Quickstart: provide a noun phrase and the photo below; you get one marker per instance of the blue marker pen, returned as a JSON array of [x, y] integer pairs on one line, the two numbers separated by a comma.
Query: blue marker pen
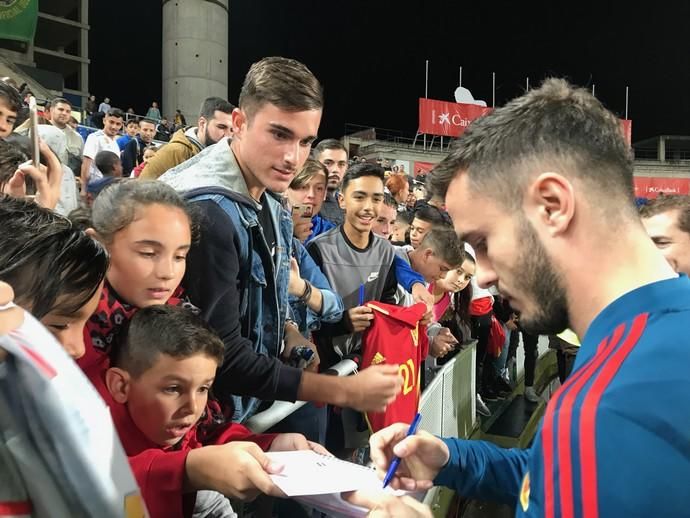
[[396, 460], [361, 294]]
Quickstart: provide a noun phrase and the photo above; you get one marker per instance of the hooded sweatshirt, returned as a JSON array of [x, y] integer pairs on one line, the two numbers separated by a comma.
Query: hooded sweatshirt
[[182, 146]]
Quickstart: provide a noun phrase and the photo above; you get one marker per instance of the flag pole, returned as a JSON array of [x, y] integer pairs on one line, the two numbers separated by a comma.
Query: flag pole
[[426, 81], [426, 92], [527, 90], [627, 96], [493, 89]]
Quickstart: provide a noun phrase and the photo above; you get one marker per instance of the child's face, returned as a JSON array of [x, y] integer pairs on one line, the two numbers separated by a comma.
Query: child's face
[[361, 201], [167, 400], [398, 231], [68, 328], [457, 280], [312, 193], [384, 221], [147, 257], [418, 229], [7, 119], [148, 155]]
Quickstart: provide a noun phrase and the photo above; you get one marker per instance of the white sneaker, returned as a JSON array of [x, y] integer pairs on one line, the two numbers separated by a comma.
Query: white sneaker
[[482, 409], [531, 395]]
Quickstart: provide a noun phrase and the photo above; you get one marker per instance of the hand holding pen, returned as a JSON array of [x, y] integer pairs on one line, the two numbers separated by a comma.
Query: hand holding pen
[[421, 455]]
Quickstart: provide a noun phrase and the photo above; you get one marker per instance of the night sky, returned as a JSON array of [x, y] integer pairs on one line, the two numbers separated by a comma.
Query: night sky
[[370, 55]]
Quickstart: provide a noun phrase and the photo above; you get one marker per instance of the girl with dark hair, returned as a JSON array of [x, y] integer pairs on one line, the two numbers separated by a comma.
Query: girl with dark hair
[[56, 270], [452, 296], [147, 229]]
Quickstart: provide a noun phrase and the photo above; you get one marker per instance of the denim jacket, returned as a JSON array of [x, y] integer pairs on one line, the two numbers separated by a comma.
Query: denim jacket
[[215, 175], [332, 306]]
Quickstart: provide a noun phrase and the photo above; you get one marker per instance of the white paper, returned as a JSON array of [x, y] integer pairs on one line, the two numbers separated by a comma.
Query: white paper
[[308, 473]]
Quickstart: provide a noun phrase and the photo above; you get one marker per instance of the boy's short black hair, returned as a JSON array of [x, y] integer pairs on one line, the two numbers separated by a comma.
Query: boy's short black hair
[[433, 215], [11, 157], [115, 112], [105, 161], [10, 95], [162, 329], [403, 218], [390, 201], [360, 170]]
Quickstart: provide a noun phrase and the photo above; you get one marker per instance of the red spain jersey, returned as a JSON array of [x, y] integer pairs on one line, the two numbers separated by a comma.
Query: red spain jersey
[[396, 337]]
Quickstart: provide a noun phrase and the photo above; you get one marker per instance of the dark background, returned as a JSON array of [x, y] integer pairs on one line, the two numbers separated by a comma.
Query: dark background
[[370, 56]]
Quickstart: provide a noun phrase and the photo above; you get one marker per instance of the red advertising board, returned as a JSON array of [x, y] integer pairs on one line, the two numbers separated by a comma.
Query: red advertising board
[[447, 119], [626, 126], [422, 167], [651, 187], [450, 119]]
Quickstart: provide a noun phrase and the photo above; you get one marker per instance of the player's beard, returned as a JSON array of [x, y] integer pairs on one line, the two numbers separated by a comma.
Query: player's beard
[[537, 279]]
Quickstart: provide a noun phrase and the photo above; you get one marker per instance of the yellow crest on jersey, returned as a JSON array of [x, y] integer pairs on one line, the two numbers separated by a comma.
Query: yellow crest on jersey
[[415, 335], [378, 358]]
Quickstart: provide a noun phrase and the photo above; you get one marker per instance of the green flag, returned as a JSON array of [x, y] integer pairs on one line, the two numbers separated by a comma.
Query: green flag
[[18, 19]]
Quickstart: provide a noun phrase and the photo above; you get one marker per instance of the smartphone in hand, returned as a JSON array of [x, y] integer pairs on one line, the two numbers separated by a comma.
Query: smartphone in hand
[[33, 132], [303, 211]]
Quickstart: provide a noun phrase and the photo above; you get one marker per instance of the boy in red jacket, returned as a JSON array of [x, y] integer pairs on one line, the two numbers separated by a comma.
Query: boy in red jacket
[[177, 441]]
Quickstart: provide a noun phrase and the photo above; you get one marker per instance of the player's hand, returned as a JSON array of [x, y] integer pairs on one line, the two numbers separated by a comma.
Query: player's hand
[[422, 456], [360, 318], [237, 469], [373, 388]]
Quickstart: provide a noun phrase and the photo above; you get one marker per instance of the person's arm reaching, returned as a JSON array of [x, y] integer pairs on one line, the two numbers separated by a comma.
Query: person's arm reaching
[[211, 283], [474, 469], [406, 276], [331, 304]]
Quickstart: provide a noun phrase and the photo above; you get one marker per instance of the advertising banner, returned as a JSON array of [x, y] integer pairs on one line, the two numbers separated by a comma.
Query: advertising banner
[[447, 119]]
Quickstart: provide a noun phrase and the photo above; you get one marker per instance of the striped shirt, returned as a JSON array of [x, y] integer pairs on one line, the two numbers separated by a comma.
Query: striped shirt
[[615, 438]]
